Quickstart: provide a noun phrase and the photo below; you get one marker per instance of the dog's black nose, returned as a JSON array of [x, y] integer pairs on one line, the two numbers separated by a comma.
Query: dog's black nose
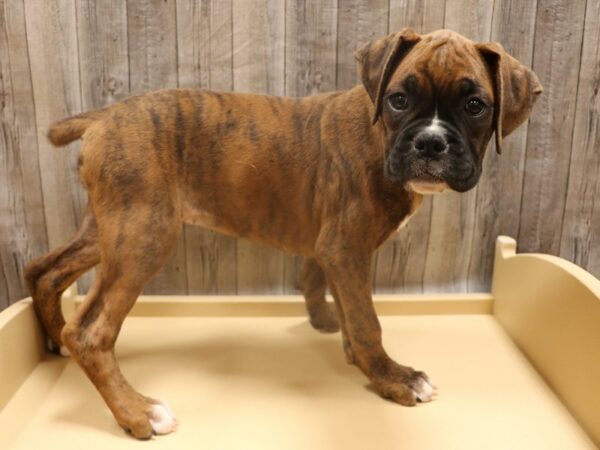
[[430, 143]]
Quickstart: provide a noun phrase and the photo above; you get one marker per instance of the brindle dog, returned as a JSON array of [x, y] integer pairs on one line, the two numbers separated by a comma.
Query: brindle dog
[[329, 177]]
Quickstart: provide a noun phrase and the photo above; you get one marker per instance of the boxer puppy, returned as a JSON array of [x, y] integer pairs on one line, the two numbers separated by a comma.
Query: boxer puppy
[[328, 177]]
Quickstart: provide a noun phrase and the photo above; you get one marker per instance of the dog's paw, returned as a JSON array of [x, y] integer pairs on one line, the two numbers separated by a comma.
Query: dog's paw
[[325, 319], [406, 386], [51, 346], [162, 419], [58, 349], [145, 417], [425, 391]]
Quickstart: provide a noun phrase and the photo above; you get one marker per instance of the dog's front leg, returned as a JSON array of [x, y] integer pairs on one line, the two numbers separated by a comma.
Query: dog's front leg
[[348, 273]]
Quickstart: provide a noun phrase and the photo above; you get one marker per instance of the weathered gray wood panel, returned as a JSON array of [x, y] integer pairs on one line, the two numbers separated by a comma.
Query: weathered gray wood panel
[[22, 221], [358, 22], [54, 61], [310, 40], [59, 57], [103, 52], [580, 240], [556, 60]]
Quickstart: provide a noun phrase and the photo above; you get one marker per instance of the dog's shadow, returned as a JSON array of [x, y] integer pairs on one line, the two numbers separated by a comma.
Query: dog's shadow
[[304, 362], [307, 354]]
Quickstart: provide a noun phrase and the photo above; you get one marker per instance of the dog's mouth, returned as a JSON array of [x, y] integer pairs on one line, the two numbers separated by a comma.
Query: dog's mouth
[[433, 176], [437, 174], [427, 180], [431, 172]]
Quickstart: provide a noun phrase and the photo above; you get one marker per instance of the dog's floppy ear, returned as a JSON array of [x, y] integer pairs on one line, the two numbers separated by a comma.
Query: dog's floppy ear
[[516, 88], [377, 61]]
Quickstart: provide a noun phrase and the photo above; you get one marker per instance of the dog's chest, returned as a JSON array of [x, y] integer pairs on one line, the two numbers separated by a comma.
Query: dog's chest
[[415, 203], [203, 218], [404, 221]]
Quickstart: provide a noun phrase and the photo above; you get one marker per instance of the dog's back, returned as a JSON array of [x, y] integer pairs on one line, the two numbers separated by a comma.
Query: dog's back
[[216, 156]]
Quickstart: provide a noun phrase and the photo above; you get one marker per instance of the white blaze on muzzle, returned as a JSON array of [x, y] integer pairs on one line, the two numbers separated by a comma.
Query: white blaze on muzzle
[[435, 127]]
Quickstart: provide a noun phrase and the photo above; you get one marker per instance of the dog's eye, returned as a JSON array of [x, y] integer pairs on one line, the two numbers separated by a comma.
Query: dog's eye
[[398, 102], [475, 107]]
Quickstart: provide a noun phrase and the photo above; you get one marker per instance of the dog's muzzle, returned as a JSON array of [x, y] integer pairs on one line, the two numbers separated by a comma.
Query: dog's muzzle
[[432, 157]]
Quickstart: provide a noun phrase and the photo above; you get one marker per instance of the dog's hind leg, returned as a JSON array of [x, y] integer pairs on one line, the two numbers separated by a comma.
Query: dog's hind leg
[[345, 341], [131, 252], [49, 275], [322, 315]]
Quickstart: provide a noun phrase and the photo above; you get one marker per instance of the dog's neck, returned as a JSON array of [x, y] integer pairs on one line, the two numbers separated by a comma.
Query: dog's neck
[[393, 200]]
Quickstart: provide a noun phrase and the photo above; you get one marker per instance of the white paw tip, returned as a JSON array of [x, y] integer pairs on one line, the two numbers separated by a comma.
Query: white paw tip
[[62, 350], [50, 345], [427, 391], [162, 419]]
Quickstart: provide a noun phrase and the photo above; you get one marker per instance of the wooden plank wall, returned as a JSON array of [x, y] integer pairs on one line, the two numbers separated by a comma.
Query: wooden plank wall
[[60, 57]]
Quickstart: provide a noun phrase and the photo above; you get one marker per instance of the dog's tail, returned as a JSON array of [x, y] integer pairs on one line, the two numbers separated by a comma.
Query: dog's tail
[[67, 130]]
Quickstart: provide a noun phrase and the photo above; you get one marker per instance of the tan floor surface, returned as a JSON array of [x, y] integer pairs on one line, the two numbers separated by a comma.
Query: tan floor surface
[[274, 383]]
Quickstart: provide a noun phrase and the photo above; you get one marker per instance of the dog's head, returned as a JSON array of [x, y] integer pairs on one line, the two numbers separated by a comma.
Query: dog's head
[[439, 98]]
